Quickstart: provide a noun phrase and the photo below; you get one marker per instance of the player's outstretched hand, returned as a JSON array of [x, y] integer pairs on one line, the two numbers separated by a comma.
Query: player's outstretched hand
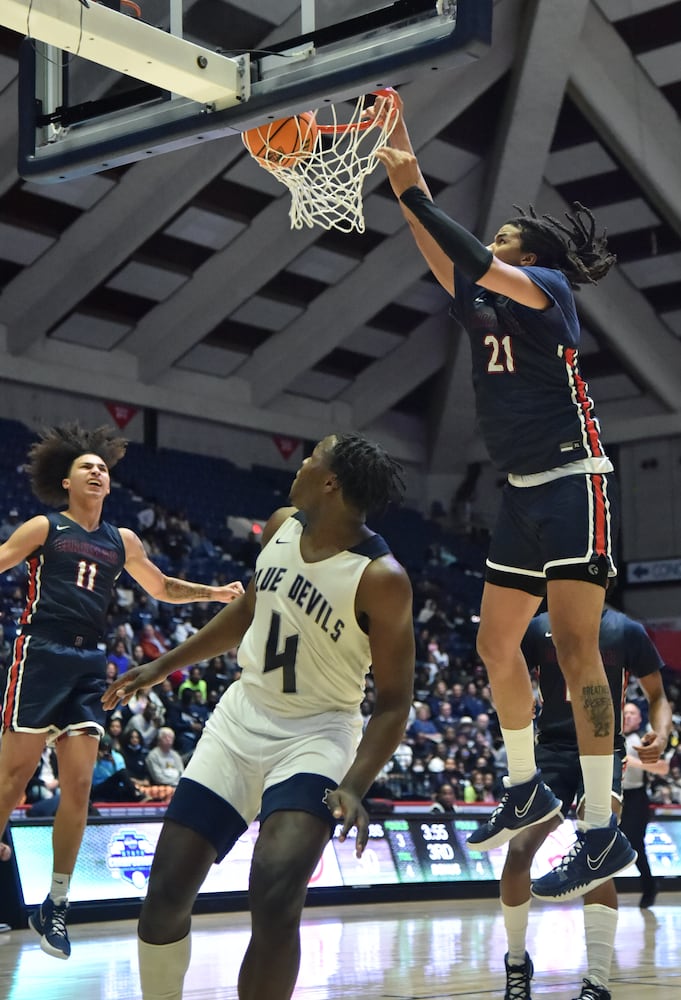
[[133, 680], [345, 806], [402, 168], [229, 592]]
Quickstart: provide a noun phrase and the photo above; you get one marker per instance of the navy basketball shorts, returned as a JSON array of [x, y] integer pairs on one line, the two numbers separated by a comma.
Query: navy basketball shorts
[[54, 689], [250, 763], [564, 529], [561, 771]]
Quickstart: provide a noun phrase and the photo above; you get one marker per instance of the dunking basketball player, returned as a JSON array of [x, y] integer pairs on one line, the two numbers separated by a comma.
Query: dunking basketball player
[[557, 526], [57, 674], [327, 602], [625, 649]]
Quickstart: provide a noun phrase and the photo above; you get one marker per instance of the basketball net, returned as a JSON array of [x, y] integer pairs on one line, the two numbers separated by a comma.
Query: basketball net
[[326, 184]]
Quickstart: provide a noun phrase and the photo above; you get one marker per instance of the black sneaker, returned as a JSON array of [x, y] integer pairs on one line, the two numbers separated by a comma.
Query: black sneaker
[[590, 991], [649, 896], [518, 979], [49, 920]]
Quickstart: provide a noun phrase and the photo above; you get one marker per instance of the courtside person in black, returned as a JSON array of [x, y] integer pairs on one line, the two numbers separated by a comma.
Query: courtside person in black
[[557, 526], [626, 649], [57, 674]]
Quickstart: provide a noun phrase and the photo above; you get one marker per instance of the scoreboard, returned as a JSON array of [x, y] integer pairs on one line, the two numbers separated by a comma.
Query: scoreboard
[[408, 849], [433, 850]]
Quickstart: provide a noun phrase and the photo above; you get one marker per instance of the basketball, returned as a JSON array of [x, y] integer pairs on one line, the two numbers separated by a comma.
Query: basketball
[[284, 142]]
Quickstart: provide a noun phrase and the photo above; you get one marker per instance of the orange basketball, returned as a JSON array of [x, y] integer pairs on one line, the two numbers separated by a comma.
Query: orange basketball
[[284, 142]]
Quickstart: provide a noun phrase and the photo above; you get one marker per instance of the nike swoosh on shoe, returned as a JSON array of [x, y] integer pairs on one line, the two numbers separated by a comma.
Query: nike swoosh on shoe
[[522, 813], [595, 863]]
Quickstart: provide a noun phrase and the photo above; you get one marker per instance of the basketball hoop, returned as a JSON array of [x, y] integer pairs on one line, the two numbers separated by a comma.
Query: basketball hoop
[[326, 181]]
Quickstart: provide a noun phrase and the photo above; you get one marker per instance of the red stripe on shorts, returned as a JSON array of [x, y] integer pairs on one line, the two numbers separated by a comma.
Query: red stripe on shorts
[[13, 682]]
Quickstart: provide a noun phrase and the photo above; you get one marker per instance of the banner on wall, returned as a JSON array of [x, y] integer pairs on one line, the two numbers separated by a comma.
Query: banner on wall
[[122, 413], [655, 571], [286, 445]]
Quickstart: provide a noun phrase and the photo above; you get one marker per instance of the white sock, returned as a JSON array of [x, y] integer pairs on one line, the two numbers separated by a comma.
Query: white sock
[[515, 922], [597, 776], [600, 925], [163, 968], [520, 752], [59, 890]]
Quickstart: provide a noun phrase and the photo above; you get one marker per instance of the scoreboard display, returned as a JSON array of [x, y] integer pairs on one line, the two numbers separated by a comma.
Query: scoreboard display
[[408, 849], [433, 850]]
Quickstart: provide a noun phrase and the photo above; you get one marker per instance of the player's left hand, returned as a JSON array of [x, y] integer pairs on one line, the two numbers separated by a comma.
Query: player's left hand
[[229, 592], [402, 168], [651, 747], [346, 806]]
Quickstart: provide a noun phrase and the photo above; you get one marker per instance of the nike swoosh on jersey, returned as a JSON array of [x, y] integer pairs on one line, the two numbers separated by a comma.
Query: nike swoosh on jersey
[[595, 863], [63, 527], [521, 813], [547, 635], [282, 541]]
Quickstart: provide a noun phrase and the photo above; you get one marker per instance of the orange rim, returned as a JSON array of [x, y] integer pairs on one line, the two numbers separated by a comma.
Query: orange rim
[[354, 126]]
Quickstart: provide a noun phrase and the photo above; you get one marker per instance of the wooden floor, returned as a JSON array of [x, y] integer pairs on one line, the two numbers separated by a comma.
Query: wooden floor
[[397, 951]]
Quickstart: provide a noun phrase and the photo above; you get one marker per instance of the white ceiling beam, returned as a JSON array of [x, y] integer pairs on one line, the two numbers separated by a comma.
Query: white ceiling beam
[[342, 308], [78, 370], [103, 238], [635, 121], [628, 323], [452, 424], [389, 379], [533, 101]]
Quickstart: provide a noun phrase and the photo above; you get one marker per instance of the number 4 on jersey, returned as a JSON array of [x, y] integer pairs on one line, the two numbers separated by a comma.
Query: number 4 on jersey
[[274, 660]]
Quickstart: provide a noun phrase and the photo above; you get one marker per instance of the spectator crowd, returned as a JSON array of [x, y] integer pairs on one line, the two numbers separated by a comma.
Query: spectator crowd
[[451, 751]]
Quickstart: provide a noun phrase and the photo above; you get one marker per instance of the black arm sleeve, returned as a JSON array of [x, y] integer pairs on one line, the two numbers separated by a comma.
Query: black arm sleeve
[[466, 251]]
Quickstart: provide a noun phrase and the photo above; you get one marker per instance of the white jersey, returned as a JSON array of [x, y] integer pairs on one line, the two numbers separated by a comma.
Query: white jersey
[[304, 652]]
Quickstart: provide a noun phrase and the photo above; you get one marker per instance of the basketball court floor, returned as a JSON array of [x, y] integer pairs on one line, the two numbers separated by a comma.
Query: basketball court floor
[[397, 951]]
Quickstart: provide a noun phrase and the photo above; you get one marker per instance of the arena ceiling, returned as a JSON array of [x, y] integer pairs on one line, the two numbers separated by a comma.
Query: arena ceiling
[[176, 282]]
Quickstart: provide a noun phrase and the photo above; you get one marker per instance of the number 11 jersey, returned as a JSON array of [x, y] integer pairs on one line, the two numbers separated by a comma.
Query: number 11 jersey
[[70, 580]]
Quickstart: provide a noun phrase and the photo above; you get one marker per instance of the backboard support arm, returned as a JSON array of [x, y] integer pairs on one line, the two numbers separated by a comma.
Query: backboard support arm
[[131, 47]]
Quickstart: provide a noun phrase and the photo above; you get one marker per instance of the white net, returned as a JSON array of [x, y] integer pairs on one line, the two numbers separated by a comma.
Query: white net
[[326, 181]]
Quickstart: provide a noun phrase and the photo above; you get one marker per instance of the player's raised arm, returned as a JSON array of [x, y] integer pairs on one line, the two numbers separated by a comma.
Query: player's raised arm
[[28, 537], [168, 588], [400, 154], [222, 632]]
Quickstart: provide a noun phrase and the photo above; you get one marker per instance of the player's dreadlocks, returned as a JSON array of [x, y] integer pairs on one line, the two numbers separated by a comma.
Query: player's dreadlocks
[[50, 459], [575, 250], [369, 477]]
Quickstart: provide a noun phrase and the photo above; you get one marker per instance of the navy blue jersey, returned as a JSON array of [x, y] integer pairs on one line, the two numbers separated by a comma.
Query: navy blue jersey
[[71, 579], [532, 404], [625, 648]]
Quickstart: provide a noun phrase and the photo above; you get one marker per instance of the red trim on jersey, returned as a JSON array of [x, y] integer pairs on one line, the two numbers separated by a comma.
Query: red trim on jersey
[[584, 403], [12, 682], [31, 590], [600, 517]]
